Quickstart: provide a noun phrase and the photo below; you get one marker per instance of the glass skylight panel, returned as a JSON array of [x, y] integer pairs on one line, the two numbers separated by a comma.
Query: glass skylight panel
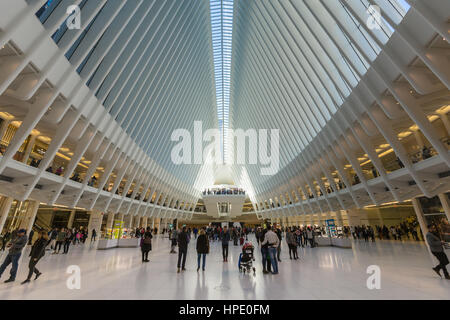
[[222, 30]]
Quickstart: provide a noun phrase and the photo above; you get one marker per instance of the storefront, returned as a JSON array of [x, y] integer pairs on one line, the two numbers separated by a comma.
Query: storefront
[[434, 213]]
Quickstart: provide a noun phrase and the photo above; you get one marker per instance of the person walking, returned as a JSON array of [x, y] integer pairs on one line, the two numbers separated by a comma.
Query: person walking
[[36, 253], [15, 250], [183, 241], [202, 249], [146, 244], [437, 249], [225, 236], [271, 239]]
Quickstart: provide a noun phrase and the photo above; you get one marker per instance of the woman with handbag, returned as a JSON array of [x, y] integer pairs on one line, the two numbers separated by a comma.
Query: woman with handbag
[[146, 244], [202, 249]]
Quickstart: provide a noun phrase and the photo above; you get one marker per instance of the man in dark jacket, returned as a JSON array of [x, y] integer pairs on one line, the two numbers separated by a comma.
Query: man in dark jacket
[[183, 240], [36, 253], [225, 239], [15, 250], [437, 249]]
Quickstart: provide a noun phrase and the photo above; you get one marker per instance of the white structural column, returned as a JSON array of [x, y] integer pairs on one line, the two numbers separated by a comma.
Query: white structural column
[[353, 218], [445, 204], [128, 221], [27, 151], [110, 221], [423, 225], [4, 127], [120, 217], [136, 222], [71, 218], [339, 221], [380, 217], [30, 216], [95, 222], [144, 222], [5, 206], [445, 121]]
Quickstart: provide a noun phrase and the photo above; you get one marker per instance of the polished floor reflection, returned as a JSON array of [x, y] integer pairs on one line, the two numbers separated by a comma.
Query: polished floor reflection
[[321, 273]]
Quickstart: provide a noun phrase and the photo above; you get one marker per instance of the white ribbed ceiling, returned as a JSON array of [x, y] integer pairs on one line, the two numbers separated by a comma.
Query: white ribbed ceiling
[[291, 65]]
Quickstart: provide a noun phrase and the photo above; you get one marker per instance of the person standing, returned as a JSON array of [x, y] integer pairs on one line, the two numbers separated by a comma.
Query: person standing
[[309, 236], [30, 237], [437, 249], [146, 244], [174, 236], [85, 235], [202, 249], [183, 241], [15, 250], [271, 239], [258, 235], [279, 235], [292, 244], [225, 236], [53, 235], [78, 236], [5, 239], [195, 232], [94, 235], [36, 253], [264, 252], [67, 240], [60, 238]]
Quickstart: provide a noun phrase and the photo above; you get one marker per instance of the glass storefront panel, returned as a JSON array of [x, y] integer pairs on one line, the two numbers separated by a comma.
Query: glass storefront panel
[[81, 220], [16, 215], [434, 214]]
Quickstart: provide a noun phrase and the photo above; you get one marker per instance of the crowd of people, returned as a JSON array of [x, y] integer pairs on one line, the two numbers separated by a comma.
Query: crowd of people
[[268, 238], [223, 191], [54, 239], [63, 237], [398, 232]]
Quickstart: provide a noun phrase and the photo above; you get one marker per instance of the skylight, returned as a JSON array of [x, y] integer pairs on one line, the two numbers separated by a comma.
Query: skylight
[[222, 29]]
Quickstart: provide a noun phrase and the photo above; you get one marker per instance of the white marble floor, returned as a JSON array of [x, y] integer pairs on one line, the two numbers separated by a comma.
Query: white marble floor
[[321, 273]]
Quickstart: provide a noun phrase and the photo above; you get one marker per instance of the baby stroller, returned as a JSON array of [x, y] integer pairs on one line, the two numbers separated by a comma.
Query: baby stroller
[[246, 259]]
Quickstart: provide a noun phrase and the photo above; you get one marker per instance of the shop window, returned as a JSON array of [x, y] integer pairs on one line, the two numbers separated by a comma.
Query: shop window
[[434, 214], [15, 216], [81, 219]]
